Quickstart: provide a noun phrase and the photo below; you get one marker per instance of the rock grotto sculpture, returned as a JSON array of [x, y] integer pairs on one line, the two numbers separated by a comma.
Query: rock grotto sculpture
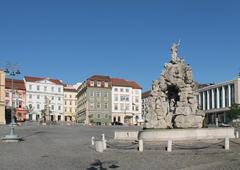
[[173, 101]]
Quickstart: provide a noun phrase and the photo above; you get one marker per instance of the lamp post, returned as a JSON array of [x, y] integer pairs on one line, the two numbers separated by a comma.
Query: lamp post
[[12, 71]]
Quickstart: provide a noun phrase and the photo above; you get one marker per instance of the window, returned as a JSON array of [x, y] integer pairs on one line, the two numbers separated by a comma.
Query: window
[[30, 87], [52, 107], [98, 105], [124, 98], [70, 103], [137, 108], [97, 94], [59, 107], [115, 97], [52, 97], [121, 106], [121, 90], [59, 98], [92, 93], [45, 88], [30, 96], [70, 96], [91, 83], [65, 102], [38, 97], [105, 105], [71, 110], [115, 106], [127, 107], [98, 116], [98, 84], [59, 89], [136, 100], [91, 106], [115, 89], [52, 89], [38, 87], [105, 95], [127, 90], [38, 106], [7, 94], [65, 109], [105, 84], [65, 96]]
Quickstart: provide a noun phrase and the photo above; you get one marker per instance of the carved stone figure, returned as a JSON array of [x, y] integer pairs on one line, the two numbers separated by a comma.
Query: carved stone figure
[[173, 102]]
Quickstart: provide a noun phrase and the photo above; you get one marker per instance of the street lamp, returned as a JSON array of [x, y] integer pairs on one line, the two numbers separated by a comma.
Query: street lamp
[[12, 71]]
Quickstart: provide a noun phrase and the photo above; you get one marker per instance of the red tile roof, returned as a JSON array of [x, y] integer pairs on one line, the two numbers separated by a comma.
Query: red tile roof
[[17, 84], [125, 83], [100, 78], [69, 89], [146, 94], [34, 79]]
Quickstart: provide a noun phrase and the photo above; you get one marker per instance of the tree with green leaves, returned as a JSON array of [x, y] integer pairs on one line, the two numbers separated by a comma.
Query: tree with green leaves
[[234, 112]]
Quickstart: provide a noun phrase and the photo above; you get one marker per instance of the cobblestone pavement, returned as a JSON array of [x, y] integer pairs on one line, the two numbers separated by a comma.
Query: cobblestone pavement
[[68, 147]]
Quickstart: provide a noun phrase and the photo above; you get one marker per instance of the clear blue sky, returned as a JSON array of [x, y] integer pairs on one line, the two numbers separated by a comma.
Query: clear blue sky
[[73, 39]]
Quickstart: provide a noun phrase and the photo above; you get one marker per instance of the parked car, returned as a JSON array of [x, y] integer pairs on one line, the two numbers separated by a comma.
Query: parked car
[[117, 123]]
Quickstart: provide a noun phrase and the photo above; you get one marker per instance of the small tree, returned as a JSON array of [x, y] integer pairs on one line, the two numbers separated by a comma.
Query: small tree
[[234, 112]]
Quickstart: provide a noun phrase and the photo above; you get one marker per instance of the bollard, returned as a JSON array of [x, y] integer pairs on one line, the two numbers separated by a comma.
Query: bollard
[[104, 142], [226, 143], [140, 147], [169, 145], [237, 134], [92, 140], [99, 146]]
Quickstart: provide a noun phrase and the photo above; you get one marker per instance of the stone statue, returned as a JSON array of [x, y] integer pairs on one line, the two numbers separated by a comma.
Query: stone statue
[[173, 101]]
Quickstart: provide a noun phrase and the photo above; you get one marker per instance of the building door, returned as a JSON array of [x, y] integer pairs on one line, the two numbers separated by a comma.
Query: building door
[[59, 117], [52, 118]]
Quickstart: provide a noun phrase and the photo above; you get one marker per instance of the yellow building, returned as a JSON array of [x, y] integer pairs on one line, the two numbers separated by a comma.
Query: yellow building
[[70, 103], [2, 97]]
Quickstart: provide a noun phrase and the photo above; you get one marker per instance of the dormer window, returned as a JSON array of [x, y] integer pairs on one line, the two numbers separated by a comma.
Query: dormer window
[[98, 84], [91, 83], [105, 84]]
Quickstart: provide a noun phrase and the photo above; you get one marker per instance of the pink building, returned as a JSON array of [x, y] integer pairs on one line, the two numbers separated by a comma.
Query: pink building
[[19, 98]]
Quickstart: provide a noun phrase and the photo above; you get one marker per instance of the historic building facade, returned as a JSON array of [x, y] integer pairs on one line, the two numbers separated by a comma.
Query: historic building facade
[[94, 101], [216, 100], [70, 103], [37, 90], [126, 101], [18, 97], [2, 97]]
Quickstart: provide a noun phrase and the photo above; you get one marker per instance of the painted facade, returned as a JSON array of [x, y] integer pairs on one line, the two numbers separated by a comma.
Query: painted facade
[[17, 99], [126, 102], [2, 97], [37, 90], [94, 101], [70, 103]]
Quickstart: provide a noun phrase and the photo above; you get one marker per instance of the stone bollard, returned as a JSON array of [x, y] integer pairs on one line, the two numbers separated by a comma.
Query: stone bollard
[[104, 142], [140, 147], [99, 146], [226, 144], [92, 140], [237, 134], [169, 145]]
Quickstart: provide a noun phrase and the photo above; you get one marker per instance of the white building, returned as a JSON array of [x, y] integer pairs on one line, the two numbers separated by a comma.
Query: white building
[[217, 99], [126, 101], [37, 89]]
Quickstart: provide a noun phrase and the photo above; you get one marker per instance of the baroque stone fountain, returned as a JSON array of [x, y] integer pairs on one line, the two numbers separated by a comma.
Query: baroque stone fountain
[[173, 100]]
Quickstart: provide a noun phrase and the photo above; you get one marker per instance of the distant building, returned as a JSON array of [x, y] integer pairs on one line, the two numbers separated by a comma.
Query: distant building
[[94, 101], [70, 102], [217, 99], [37, 90], [2, 97], [19, 99], [126, 101], [145, 102]]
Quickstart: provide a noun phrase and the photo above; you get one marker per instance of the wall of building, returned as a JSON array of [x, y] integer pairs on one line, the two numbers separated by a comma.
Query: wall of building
[[2, 97], [36, 98], [70, 102]]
